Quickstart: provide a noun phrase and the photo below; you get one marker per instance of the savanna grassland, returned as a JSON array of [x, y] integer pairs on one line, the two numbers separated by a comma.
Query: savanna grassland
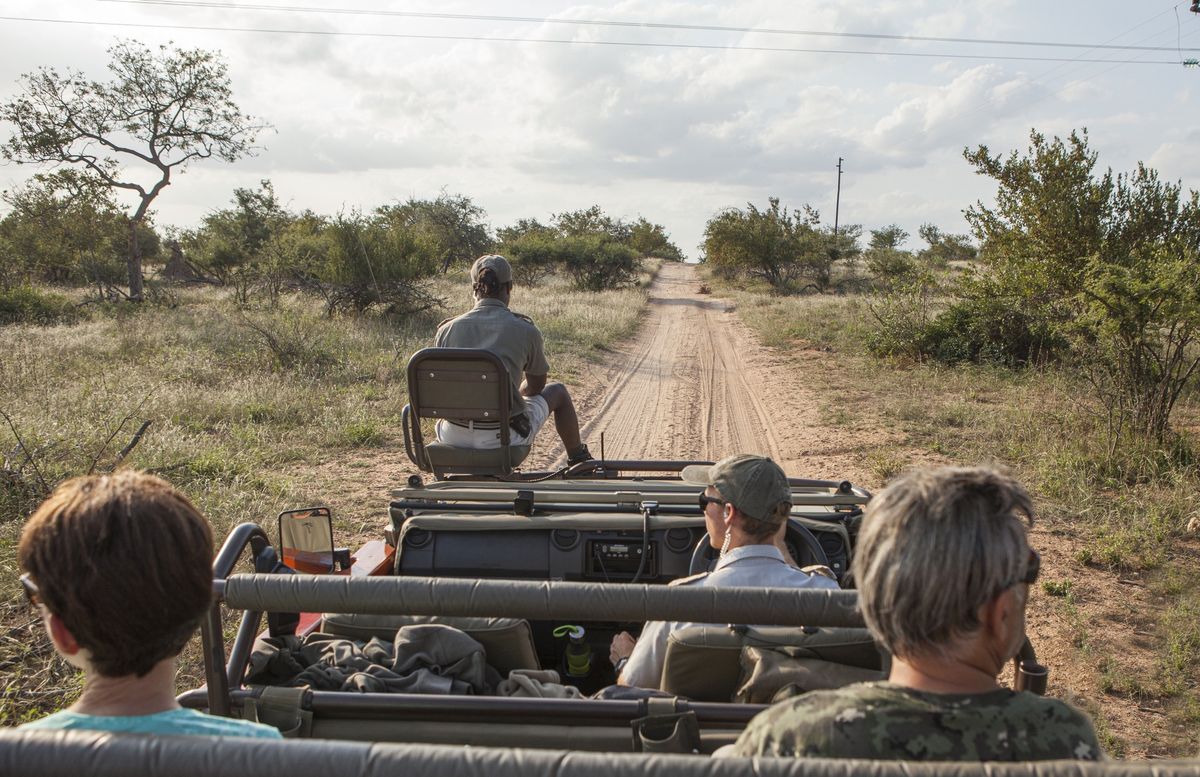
[[244, 404], [1117, 613]]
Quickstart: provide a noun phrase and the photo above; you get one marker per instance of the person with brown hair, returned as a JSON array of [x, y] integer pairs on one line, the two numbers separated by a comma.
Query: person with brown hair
[[119, 567], [517, 341]]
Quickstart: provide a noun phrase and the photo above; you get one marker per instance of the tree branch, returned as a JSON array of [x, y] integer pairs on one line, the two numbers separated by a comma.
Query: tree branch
[[28, 454]]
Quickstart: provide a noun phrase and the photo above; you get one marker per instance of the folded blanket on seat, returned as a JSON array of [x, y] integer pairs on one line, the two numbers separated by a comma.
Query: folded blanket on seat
[[423, 658], [536, 683]]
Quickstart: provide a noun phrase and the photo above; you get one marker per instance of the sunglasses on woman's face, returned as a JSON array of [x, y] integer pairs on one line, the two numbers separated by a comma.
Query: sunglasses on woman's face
[[31, 590], [706, 500]]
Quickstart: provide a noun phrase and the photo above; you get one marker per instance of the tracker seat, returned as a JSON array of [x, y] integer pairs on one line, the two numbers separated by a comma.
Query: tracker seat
[[459, 385]]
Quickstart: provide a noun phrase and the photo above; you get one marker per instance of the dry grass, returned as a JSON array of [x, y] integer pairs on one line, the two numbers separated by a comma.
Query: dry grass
[[239, 401], [1119, 611]]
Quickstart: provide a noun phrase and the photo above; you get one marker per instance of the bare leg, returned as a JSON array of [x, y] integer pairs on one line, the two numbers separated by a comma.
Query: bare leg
[[566, 422]]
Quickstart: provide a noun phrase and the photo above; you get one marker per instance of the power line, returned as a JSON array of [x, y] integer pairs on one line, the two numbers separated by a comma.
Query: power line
[[633, 24], [1070, 69], [569, 41]]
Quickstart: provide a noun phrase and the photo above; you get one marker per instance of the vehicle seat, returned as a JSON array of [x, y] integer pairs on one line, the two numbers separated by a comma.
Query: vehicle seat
[[463, 385], [705, 663], [508, 642]]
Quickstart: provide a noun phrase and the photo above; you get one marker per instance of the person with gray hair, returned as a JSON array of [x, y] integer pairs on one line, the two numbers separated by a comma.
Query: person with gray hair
[[944, 570]]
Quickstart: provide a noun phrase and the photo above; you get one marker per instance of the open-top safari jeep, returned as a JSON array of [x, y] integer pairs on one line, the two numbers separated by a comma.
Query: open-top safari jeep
[[510, 564], [539, 570], [509, 559]]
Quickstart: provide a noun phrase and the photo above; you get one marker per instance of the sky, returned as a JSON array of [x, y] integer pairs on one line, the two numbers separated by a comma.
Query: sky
[[384, 101]]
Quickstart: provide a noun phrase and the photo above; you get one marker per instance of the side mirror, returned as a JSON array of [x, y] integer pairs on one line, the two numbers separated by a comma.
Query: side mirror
[[306, 537]]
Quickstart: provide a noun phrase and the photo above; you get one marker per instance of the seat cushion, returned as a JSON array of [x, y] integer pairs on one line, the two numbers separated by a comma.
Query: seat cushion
[[765, 672], [508, 641], [704, 663]]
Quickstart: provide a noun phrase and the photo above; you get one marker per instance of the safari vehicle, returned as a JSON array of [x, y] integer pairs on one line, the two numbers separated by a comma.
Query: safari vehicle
[[541, 570], [510, 564]]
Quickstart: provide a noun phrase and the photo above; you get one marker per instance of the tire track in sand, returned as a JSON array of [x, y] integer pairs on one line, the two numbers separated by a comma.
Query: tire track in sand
[[692, 384]]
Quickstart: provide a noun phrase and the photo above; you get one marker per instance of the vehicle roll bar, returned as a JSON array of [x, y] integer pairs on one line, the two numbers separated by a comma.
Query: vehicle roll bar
[[540, 600], [466, 709], [101, 754], [218, 678]]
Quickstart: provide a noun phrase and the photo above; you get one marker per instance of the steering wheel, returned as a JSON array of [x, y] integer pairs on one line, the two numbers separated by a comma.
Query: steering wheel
[[801, 542]]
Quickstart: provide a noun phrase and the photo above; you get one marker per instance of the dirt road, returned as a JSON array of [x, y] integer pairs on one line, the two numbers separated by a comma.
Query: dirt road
[[695, 384]]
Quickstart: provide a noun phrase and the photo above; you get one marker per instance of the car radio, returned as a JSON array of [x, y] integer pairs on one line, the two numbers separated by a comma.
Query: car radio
[[619, 559]]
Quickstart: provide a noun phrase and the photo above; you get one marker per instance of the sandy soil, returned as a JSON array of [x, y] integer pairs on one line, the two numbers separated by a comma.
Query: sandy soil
[[696, 384]]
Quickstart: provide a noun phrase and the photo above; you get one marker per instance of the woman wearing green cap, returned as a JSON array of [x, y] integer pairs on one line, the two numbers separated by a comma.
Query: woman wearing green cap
[[746, 503]]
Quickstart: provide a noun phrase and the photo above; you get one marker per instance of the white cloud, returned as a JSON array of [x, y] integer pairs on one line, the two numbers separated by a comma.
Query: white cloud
[[674, 134], [1177, 158]]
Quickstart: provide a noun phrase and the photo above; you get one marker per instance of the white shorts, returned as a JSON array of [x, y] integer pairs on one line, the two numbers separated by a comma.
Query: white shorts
[[536, 410]]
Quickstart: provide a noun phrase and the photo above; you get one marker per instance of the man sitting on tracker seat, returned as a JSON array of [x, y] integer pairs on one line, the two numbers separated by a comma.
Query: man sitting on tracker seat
[[514, 338]]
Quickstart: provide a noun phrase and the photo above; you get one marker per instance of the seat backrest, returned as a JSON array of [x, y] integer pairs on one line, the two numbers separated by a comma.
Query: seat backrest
[[508, 642], [706, 663], [459, 385]]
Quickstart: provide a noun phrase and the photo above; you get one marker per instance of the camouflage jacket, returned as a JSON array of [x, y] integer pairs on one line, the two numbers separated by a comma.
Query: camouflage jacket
[[885, 721]]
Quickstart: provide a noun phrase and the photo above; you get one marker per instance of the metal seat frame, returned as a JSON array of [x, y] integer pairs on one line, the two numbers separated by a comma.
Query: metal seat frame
[[490, 402]]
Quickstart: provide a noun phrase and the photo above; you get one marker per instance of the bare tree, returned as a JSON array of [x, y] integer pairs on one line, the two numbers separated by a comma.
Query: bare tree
[[163, 108]]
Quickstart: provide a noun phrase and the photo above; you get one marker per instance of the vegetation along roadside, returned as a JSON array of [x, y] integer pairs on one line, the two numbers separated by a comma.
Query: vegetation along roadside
[[237, 392], [1065, 351]]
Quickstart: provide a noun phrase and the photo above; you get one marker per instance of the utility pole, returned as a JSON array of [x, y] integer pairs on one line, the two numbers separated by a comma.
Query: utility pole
[[838, 202]]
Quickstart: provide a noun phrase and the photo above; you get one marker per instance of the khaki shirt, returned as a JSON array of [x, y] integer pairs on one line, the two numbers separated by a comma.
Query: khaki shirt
[[490, 325]]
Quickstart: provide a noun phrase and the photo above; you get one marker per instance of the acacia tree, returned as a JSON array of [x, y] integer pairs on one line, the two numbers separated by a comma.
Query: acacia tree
[[163, 109]]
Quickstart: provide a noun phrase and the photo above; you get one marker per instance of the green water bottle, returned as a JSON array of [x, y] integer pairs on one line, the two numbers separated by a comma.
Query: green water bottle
[[578, 657]]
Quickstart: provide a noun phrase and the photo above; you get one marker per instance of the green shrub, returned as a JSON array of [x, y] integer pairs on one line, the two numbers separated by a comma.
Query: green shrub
[[27, 305], [902, 317], [890, 265], [534, 255], [990, 331], [354, 263], [596, 264], [1057, 587]]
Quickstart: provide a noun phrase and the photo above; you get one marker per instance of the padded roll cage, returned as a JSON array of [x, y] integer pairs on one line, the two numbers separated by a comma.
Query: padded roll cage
[[99, 754]]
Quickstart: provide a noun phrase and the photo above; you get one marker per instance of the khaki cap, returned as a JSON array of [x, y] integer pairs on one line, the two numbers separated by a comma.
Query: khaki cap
[[494, 262], [753, 484]]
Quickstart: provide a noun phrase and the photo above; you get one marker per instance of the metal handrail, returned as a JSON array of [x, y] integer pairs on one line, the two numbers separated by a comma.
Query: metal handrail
[[216, 674]]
